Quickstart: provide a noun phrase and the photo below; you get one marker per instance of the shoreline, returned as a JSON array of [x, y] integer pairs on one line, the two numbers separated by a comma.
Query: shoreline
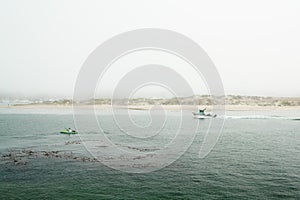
[[148, 107]]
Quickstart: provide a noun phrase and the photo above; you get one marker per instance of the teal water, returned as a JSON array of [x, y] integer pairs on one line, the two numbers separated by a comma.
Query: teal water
[[256, 157]]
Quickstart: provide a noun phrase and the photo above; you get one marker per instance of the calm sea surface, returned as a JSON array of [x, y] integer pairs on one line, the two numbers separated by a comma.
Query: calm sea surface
[[256, 157]]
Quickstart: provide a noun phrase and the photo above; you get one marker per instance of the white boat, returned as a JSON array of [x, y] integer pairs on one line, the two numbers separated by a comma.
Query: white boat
[[202, 115]]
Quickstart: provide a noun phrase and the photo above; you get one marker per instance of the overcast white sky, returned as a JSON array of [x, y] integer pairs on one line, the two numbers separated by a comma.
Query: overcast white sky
[[255, 44]]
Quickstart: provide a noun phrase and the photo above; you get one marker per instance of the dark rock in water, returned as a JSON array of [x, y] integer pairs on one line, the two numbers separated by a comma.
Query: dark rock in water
[[17, 156], [73, 142], [143, 149], [20, 162]]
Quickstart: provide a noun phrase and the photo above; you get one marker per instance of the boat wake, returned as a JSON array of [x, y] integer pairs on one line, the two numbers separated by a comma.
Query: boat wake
[[262, 117]]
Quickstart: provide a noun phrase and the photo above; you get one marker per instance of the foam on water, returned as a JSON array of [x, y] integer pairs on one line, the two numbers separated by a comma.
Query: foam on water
[[262, 117]]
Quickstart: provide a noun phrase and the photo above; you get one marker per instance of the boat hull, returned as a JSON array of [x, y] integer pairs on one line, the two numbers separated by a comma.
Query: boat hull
[[204, 117], [200, 116], [67, 132]]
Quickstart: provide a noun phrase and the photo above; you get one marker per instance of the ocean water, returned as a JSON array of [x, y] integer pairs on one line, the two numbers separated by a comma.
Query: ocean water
[[256, 157]]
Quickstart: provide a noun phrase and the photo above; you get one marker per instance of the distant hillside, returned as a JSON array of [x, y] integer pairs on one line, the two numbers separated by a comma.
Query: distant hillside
[[194, 100], [205, 100]]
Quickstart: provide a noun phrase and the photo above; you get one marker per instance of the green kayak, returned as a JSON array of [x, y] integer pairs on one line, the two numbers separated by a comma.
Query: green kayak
[[68, 132]]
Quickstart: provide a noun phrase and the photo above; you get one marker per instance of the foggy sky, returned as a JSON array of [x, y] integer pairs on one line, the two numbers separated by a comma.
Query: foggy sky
[[255, 45]]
